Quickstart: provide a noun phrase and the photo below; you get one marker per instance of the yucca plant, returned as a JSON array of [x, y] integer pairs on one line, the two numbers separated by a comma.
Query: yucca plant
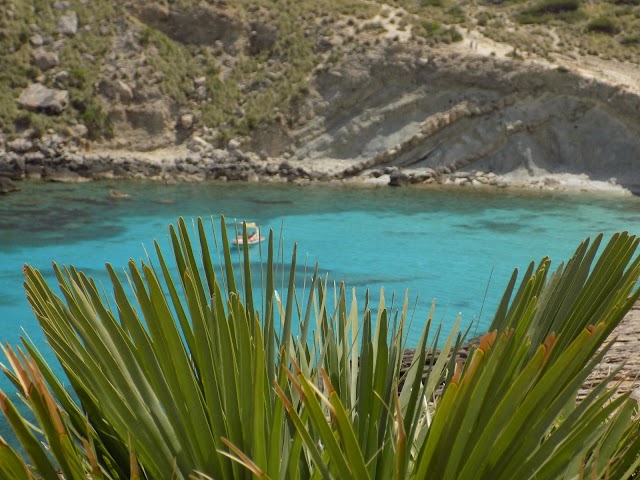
[[510, 411], [189, 375]]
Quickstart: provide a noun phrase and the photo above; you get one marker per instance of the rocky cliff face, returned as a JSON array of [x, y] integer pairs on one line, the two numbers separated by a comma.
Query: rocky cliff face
[[445, 112]]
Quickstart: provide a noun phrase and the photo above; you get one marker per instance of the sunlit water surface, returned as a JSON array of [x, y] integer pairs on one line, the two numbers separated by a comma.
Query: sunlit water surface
[[458, 246]]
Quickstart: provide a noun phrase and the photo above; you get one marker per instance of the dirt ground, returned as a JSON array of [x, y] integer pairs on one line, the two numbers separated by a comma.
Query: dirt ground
[[625, 350]]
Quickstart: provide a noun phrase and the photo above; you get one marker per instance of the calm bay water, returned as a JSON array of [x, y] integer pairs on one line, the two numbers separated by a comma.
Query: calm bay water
[[454, 245]]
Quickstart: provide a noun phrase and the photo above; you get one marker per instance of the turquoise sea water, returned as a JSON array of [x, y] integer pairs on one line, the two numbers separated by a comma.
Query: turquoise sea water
[[452, 245]]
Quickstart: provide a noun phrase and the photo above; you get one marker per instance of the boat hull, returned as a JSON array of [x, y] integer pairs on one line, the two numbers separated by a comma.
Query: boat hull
[[239, 241]]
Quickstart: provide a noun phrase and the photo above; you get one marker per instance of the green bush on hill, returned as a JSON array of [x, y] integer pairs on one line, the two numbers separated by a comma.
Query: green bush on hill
[[96, 121], [626, 2], [553, 6], [547, 10], [433, 30], [632, 39], [603, 25]]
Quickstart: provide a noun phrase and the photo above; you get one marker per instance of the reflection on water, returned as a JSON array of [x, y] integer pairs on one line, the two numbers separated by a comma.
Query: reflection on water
[[503, 227]]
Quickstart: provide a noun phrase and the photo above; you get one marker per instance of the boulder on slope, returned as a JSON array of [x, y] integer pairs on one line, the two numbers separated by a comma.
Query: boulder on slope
[[37, 97]]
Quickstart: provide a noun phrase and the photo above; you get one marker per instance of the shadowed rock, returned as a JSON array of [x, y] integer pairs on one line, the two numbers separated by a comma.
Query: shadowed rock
[[198, 25], [43, 59], [7, 186]]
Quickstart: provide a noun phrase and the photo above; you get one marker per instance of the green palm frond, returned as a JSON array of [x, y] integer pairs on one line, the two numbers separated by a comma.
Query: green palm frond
[[182, 371]]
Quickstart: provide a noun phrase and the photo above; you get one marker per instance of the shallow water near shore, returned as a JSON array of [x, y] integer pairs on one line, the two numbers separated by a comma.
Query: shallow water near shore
[[456, 245]]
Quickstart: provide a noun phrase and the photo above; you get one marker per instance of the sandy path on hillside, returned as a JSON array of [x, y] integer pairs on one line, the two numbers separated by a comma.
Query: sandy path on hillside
[[613, 72]]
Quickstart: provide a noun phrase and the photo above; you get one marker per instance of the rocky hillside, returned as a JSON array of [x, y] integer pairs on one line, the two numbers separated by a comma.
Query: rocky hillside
[[406, 91]]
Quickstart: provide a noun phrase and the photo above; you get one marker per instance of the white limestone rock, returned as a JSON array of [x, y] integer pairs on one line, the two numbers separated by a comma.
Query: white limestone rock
[[37, 97], [68, 23], [44, 59]]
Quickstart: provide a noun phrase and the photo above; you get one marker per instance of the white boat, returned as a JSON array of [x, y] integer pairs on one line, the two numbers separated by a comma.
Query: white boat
[[253, 236]]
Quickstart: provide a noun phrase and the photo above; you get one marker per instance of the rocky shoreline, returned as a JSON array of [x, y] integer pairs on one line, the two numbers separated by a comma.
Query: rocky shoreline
[[54, 158]]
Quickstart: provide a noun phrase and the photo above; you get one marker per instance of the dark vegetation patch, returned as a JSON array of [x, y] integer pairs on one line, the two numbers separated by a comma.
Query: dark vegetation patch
[[603, 25], [545, 11]]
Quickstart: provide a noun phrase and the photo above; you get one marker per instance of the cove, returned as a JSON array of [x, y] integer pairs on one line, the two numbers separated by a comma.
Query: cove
[[456, 245]]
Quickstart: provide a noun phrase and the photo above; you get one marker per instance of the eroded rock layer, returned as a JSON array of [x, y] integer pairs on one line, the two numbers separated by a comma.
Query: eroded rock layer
[[445, 113]]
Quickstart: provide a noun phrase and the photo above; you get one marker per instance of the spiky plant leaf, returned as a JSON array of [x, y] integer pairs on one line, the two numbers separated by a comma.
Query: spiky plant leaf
[[186, 376]]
